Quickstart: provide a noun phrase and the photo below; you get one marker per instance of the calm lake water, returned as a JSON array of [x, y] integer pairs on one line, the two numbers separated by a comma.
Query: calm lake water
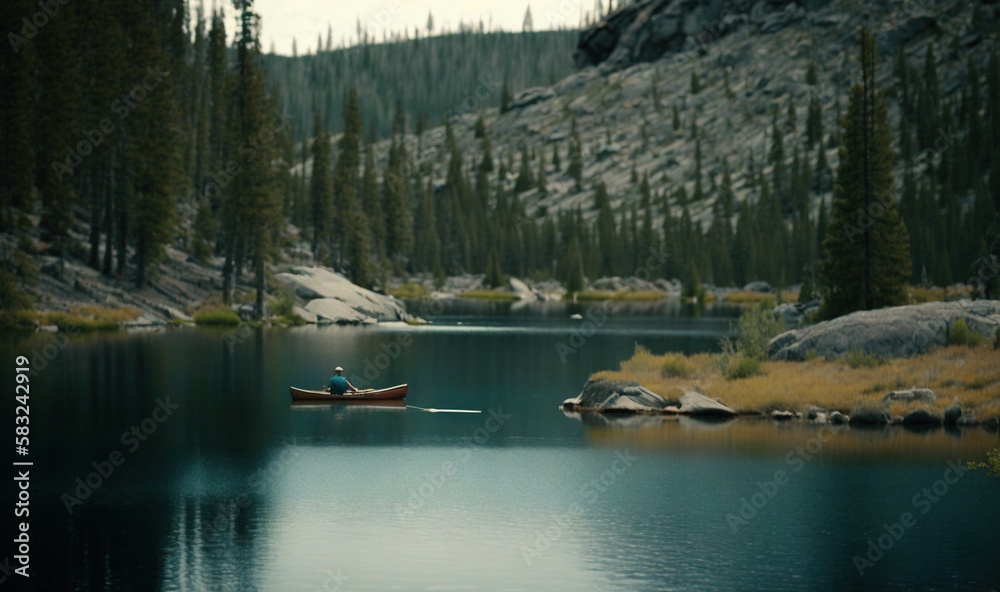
[[232, 488]]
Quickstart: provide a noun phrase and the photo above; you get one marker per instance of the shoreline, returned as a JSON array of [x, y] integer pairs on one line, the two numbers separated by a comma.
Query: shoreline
[[953, 385]]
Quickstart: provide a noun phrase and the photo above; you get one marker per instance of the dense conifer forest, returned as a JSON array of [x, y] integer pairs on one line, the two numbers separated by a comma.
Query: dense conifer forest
[[160, 131]]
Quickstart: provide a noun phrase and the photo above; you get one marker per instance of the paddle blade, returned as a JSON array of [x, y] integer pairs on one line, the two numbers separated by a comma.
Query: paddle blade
[[432, 410]]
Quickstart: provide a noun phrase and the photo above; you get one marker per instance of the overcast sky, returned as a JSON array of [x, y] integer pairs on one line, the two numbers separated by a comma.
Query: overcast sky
[[304, 20]]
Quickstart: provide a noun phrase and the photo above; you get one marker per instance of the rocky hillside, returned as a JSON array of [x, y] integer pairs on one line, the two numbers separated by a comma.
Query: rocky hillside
[[637, 69]]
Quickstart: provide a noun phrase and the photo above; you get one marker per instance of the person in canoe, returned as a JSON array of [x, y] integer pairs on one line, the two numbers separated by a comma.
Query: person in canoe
[[338, 385]]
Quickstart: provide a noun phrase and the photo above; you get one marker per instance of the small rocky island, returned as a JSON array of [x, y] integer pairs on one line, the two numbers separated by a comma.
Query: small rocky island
[[862, 369]]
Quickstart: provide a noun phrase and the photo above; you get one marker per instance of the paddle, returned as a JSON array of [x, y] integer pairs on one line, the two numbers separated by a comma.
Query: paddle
[[432, 410]]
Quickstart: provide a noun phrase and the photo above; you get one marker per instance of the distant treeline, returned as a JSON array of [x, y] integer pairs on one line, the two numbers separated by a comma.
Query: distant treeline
[[430, 78]]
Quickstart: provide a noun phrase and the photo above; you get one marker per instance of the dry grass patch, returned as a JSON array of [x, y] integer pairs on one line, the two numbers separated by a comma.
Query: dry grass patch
[[488, 295], [674, 366], [971, 374], [636, 296], [741, 297], [89, 318], [920, 294]]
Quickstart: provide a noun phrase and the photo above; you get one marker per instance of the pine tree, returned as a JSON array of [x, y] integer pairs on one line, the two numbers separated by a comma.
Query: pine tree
[[17, 167], [726, 197], [777, 155], [866, 250], [352, 230], [692, 289], [575, 168], [901, 71], [607, 233], [371, 203], [254, 224], [699, 192], [155, 152], [574, 269], [654, 85], [525, 180], [321, 190], [505, 96], [218, 90], [540, 181], [398, 216], [57, 108], [814, 121], [426, 251], [486, 164], [494, 277]]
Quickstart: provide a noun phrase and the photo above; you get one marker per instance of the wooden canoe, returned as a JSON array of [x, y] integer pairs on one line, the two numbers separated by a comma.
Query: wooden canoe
[[395, 392]]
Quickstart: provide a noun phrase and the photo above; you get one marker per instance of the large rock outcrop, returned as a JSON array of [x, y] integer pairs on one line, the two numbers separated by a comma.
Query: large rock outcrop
[[607, 395], [333, 298], [645, 30], [897, 332]]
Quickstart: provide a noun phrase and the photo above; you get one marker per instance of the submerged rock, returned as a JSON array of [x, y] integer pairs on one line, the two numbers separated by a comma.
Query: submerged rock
[[607, 395], [896, 332], [693, 403]]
